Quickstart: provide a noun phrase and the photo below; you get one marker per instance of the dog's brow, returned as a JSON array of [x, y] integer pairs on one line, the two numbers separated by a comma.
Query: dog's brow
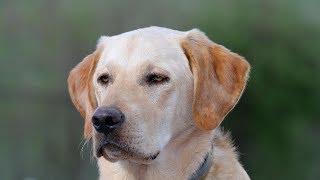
[[156, 69], [108, 68], [151, 69]]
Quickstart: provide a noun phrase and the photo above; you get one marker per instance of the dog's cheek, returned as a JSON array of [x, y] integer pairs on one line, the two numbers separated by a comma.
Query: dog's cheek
[[182, 115]]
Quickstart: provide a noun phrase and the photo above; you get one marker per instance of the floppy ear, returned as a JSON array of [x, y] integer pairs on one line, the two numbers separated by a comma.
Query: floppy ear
[[81, 89], [219, 79]]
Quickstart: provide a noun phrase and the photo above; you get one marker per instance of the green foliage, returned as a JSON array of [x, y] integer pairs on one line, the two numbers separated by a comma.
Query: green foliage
[[276, 124]]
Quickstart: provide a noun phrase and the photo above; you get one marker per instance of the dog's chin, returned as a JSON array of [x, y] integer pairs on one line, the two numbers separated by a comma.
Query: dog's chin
[[115, 153]]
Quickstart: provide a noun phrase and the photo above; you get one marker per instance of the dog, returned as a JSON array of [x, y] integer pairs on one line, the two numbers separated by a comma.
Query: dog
[[153, 100]]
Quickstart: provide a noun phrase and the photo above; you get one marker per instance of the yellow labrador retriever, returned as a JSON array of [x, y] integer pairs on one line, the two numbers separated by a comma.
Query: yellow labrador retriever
[[153, 99]]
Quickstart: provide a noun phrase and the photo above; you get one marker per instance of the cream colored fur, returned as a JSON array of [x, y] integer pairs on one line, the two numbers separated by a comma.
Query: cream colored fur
[[181, 158], [160, 118]]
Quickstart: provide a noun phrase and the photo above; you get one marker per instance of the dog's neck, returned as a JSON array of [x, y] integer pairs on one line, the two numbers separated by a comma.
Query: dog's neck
[[204, 168], [180, 158]]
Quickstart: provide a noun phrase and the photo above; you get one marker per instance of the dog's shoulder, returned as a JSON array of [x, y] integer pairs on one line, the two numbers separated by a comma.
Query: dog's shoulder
[[225, 158]]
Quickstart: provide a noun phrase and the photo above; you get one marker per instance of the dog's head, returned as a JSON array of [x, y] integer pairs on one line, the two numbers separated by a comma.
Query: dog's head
[[140, 89]]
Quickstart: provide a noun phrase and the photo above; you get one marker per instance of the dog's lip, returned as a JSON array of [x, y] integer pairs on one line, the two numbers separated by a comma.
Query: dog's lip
[[155, 156], [101, 152]]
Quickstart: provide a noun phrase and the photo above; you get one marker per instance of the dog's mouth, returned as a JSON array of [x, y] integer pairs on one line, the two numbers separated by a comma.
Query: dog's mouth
[[113, 153]]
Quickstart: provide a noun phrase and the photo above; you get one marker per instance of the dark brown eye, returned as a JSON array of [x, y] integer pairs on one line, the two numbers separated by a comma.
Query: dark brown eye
[[156, 79], [103, 79]]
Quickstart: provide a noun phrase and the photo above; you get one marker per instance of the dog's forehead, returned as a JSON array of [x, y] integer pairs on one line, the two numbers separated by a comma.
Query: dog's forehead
[[153, 44]]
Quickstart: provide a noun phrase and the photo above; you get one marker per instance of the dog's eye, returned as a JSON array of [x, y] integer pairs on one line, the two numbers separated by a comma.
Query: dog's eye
[[156, 79], [103, 79]]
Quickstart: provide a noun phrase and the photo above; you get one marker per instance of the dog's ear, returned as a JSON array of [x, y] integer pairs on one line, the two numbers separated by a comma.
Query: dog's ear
[[81, 89], [219, 79]]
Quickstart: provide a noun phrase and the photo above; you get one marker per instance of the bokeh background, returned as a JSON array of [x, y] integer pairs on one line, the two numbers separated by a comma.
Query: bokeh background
[[276, 125]]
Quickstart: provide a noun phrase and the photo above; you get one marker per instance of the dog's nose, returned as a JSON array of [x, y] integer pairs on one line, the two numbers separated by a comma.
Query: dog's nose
[[105, 119]]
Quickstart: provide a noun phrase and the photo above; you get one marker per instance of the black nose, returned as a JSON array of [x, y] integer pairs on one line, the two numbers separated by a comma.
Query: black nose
[[105, 119]]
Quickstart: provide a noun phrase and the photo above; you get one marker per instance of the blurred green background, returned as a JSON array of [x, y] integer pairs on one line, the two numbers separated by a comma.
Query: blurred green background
[[276, 125]]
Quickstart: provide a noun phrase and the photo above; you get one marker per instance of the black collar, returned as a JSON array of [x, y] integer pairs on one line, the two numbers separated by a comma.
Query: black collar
[[203, 169]]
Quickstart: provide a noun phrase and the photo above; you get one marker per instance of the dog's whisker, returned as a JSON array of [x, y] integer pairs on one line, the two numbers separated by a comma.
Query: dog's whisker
[[81, 144]]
